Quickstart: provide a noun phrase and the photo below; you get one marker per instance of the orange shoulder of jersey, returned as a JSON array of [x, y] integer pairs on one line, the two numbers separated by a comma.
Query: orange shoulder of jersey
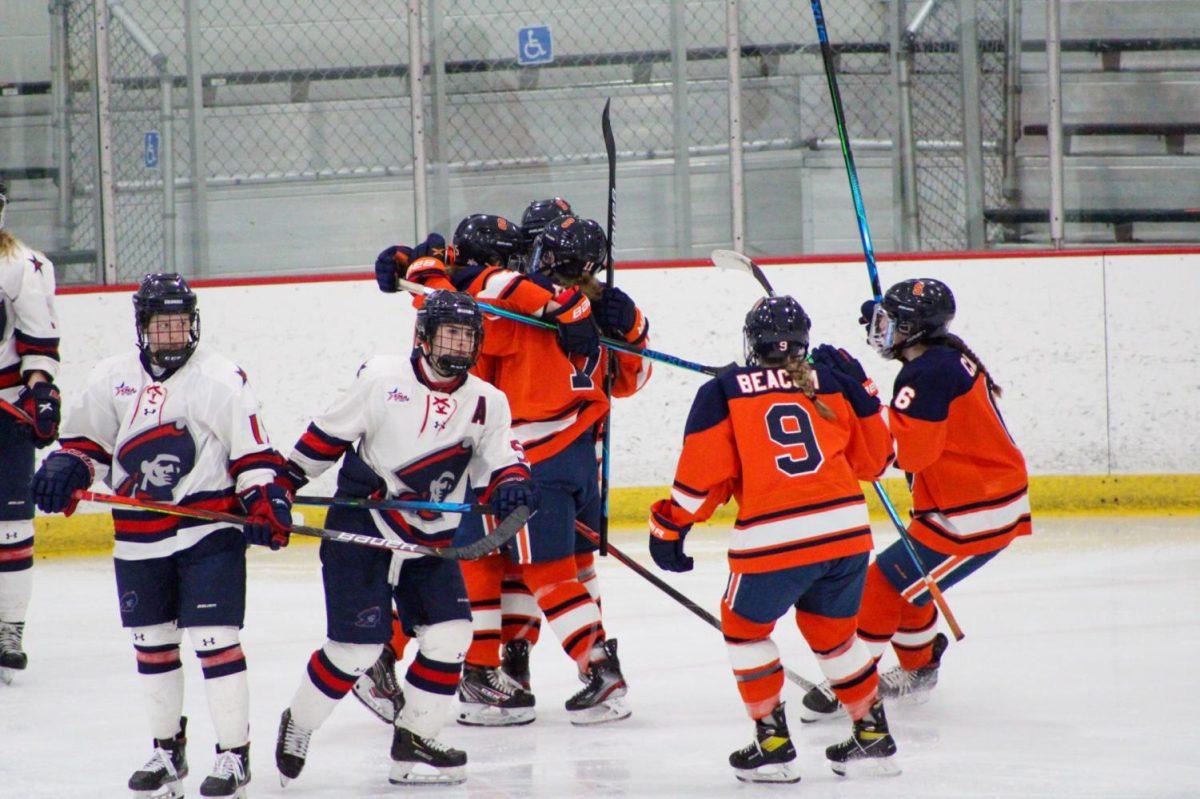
[[970, 485], [752, 435]]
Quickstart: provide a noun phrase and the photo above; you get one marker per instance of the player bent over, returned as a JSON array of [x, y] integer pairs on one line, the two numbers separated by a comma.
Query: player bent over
[[417, 428], [555, 383], [968, 479], [28, 365], [177, 424], [789, 442]]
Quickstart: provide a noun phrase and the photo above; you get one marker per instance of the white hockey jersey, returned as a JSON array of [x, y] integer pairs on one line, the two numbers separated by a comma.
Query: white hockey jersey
[[28, 322], [426, 443], [193, 439]]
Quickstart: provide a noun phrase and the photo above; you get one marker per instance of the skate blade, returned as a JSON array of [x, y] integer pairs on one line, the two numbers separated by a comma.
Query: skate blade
[[610, 710], [7, 675], [809, 716], [168, 790], [774, 772], [472, 714], [383, 708], [867, 767], [408, 772]]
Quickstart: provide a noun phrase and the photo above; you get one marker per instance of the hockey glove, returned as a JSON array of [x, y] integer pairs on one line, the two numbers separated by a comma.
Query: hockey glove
[[616, 313], [666, 540], [855, 385], [510, 494], [43, 405], [390, 265], [358, 480], [577, 333], [293, 478], [268, 515], [62, 474]]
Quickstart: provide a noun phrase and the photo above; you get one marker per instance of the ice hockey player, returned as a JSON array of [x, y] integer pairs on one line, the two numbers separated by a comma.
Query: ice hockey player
[[789, 442], [421, 428], [176, 423], [28, 366], [554, 381], [968, 479]]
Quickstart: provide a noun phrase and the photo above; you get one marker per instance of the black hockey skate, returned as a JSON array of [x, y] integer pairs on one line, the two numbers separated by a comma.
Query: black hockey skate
[[379, 690], [515, 661], [914, 686], [162, 776], [602, 697], [819, 704], [869, 750], [424, 761], [771, 757], [291, 748], [230, 774], [491, 698], [12, 657]]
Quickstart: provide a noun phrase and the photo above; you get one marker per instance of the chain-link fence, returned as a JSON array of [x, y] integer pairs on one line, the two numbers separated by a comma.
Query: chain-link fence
[[304, 124]]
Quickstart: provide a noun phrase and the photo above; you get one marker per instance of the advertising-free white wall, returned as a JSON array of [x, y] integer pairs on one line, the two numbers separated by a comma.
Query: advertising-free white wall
[[1096, 353]]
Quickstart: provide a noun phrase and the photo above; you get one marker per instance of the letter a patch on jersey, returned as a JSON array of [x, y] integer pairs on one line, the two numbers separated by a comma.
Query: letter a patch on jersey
[[480, 416]]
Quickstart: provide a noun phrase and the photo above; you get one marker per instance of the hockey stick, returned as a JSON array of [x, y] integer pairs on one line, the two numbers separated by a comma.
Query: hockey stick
[[737, 262], [504, 531], [666, 588], [16, 413], [394, 504], [612, 344], [610, 147], [864, 234]]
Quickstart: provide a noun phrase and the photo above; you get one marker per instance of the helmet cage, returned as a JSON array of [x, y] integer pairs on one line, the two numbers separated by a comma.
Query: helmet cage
[[162, 294], [446, 349]]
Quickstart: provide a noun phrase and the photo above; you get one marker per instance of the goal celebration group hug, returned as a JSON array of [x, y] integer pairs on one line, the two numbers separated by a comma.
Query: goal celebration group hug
[[505, 405]]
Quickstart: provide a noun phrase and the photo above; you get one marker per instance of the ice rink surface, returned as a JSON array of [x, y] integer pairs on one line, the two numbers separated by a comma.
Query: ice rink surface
[[1079, 677]]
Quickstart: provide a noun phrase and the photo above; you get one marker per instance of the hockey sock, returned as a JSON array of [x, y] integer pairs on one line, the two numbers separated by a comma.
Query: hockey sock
[[16, 568], [161, 679], [224, 668], [844, 659], [483, 577], [432, 679], [913, 642], [520, 615], [569, 608], [879, 615], [332, 670], [399, 640], [585, 566], [755, 661]]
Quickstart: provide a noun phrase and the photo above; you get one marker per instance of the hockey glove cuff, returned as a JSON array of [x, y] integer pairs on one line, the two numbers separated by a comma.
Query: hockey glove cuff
[[666, 539], [268, 515], [510, 494], [577, 333], [293, 478], [60, 476], [845, 365], [617, 314], [42, 403]]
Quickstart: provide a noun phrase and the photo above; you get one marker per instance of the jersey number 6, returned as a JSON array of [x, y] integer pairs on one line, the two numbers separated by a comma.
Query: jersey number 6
[[790, 426]]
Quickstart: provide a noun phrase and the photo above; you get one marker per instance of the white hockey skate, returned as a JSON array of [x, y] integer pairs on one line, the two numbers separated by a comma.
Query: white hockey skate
[[12, 658]]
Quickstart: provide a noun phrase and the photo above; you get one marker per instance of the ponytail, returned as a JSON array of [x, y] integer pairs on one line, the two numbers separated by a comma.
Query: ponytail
[[802, 378], [954, 342], [8, 244]]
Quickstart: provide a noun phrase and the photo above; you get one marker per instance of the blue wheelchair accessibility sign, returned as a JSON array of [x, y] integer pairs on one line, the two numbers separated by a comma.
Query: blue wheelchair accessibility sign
[[150, 149], [534, 45]]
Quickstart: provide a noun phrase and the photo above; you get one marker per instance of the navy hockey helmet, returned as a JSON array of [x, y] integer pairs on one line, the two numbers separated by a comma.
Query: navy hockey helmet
[[454, 352], [540, 213], [776, 330], [487, 239], [912, 311], [165, 293], [572, 247]]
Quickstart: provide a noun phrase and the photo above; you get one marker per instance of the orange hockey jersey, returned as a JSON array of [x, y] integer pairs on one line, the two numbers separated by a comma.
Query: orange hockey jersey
[[554, 398], [969, 484], [795, 475]]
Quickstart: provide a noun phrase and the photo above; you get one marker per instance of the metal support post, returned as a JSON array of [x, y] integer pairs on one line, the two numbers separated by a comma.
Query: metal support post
[[60, 88], [105, 196], [904, 161], [968, 46], [737, 183], [198, 168], [416, 87], [1012, 100], [679, 133], [1054, 135]]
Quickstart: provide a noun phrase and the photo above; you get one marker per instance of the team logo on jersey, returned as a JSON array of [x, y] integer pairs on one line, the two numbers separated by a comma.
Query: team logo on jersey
[[396, 395], [434, 477], [156, 460], [124, 390], [369, 617]]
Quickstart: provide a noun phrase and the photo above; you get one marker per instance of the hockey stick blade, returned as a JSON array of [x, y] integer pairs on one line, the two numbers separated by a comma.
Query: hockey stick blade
[[497, 538], [733, 261]]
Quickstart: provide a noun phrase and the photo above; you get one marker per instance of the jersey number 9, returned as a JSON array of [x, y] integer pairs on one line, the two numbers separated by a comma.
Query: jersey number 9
[[790, 426]]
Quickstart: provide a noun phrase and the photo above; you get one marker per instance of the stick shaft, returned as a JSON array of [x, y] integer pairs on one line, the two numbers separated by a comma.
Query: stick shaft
[[610, 147]]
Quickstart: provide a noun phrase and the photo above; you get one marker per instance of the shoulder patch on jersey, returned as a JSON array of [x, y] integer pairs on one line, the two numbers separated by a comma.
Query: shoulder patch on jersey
[[710, 408]]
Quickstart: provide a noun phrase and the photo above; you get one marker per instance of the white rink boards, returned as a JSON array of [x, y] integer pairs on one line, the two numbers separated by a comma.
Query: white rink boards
[[1077, 679]]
